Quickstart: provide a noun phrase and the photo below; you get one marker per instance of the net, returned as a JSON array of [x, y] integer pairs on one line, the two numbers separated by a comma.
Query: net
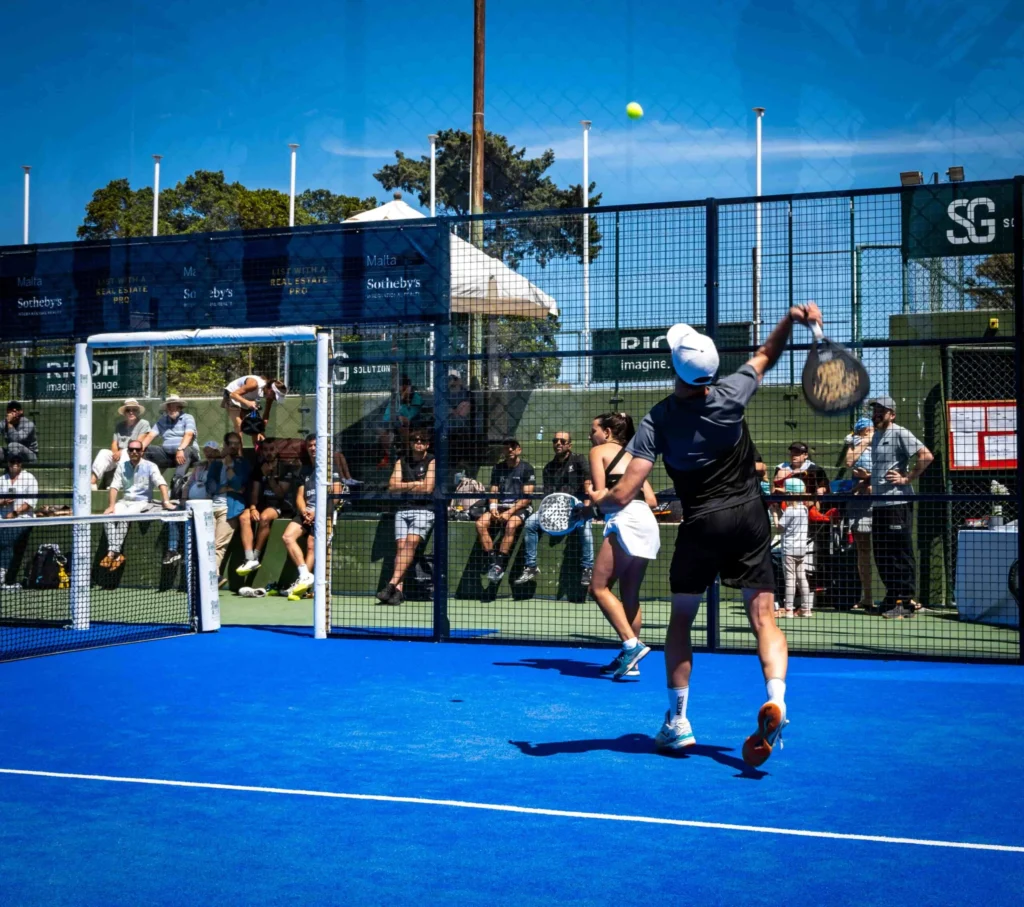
[[81, 582]]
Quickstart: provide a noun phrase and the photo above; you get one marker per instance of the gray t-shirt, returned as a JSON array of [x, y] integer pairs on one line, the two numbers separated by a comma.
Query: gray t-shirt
[[123, 434], [705, 444], [892, 449], [172, 432]]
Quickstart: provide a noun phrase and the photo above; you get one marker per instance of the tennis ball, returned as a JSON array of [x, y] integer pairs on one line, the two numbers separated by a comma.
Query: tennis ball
[[634, 111]]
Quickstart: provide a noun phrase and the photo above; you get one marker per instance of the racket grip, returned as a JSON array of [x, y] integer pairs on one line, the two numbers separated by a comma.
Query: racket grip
[[816, 330]]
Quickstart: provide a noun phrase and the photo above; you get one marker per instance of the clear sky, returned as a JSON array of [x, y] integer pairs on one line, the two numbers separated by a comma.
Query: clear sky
[[855, 92]]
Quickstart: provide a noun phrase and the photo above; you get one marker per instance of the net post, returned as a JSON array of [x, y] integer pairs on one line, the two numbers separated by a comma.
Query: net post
[[1018, 347], [324, 487], [711, 326], [201, 556], [440, 623], [81, 495]]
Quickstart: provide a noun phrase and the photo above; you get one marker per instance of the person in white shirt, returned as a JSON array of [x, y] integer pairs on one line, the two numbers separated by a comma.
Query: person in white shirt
[[130, 428], [242, 399], [137, 478], [18, 493], [795, 550]]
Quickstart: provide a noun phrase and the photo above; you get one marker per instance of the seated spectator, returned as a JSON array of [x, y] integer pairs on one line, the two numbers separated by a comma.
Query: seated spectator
[[410, 404], [195, 489], [800, 464], [137, 478], [512, 482], [18, 497], [19, 435], [413, 477], [568, 473], [460, 411], [226, 483], [341, 467], [242, 401], [857, 458], [271, 498], [176, 430], [130, 428]]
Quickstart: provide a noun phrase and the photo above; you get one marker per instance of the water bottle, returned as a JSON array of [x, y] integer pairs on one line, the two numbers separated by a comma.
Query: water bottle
[[540, 434]]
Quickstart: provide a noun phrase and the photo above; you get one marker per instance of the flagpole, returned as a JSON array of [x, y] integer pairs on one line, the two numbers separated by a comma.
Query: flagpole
[[291, 193]]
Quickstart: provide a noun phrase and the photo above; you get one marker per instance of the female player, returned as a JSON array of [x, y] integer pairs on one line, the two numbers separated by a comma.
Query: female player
[[242, 399], [631, 540]]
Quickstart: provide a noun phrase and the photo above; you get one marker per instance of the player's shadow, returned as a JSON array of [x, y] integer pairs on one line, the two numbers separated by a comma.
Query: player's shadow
[[565, 666], [639, 744]]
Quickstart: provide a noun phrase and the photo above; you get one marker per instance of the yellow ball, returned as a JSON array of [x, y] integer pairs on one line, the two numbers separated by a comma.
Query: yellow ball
[[634, 111]]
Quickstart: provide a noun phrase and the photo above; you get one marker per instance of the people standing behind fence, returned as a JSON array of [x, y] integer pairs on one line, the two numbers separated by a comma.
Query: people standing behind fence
[[800, 464], [631, 539], [892, 449], [19, 492], [410, 405], [131, 428], [137, 478], [567, 473], [227, 483], [795, 546], [242, 398], [413, 478], [857, 458], [178, 448], [460, 416], [271, 497], [512, 483], [19, 435]]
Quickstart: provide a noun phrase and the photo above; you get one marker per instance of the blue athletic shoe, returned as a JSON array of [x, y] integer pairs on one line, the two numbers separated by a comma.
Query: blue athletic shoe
[[629, 658], [770, 722], [674, 736]]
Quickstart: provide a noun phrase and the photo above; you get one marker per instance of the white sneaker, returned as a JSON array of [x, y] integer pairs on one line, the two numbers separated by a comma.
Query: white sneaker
[[674, 735], [248, 567], [295, 590]]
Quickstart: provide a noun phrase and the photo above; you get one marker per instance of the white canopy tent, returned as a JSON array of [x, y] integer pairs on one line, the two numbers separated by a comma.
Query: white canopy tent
[[480, 283]]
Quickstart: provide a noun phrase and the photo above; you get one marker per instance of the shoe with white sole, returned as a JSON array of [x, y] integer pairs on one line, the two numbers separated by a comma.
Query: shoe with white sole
[[629, 658], [614, 663], [300, 585], [674, 735], [248, 567]]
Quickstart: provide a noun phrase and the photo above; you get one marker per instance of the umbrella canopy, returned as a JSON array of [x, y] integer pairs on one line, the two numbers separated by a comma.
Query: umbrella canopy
[[480, 283]]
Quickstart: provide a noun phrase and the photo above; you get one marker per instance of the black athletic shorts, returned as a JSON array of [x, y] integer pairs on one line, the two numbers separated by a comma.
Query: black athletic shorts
[[734, 543]]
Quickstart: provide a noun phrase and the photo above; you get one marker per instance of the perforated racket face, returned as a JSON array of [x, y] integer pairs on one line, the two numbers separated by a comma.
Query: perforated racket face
[[555, 513], [1013, 582], [834, 381]]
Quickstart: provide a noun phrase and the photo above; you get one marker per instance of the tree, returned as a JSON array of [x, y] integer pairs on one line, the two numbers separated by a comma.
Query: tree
[[322, 206], [117, 210], [991, 285]]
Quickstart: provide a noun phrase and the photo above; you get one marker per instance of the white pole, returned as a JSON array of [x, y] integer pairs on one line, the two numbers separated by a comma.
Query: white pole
[[586, 251], [81, 493], [323, 486], [156, 194], [759, 112], [291, 195], [433, 173], [25, 238]]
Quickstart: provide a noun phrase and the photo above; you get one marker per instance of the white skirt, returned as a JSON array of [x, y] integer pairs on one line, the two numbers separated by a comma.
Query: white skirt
[[637, 530]]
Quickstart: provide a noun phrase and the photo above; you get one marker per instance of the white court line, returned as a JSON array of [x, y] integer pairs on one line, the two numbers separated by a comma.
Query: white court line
[[528, 810]]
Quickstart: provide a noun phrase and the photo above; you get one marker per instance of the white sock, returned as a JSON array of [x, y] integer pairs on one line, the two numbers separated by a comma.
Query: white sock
[[776, 688], [629, 643], [677, 699]]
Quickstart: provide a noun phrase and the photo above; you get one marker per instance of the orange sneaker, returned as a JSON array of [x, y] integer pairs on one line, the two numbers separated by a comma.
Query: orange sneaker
[[758, 746]]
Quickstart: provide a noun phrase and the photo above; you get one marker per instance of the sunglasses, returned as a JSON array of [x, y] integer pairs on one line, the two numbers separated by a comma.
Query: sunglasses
[[561, 441], [420, 441], [132, 450]]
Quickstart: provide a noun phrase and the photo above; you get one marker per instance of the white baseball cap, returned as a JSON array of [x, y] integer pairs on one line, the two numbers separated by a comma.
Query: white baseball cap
[[694, 355]]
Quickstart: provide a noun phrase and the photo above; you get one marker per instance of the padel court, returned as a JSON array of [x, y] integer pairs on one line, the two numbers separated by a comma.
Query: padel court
[[260, 766]]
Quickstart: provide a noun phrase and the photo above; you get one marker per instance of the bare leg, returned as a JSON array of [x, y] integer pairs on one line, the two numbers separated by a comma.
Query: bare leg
[[508, 539], [405, 553], [291, 543], [600, 587], [862, 540], [483, 531], [630, 578], [266, 523], [772, 648], [245, 530], [310, 551], [678, 647]]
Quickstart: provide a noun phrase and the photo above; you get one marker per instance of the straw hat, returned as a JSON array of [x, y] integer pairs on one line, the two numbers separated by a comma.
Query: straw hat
[[172, 398], [131, 403]]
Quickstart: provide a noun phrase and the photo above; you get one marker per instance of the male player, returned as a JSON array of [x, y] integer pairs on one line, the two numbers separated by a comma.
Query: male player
[[702, 436]]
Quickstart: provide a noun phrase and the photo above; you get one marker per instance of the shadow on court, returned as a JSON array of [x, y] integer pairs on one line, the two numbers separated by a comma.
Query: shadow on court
[[565, 666], [639, 744]]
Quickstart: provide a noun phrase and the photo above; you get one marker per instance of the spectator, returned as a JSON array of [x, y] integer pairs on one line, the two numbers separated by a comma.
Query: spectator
[[130, 428], [19, 435], [226, 482], [413, 476], [271, 498], [242, 400], [18, 497], [892, 449], [137, 478], [796, 549], [410, 404], [460, 410], [512, 482], [195, 490], [857, 458], [568, 473], [800, 464], [177, 432]]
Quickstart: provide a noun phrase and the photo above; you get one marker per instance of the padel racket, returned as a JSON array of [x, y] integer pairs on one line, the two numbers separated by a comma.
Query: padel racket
[[834, 380], [560, 513]]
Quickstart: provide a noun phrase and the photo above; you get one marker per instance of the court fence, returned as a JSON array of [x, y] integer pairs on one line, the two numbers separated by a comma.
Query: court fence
[[555, 318]]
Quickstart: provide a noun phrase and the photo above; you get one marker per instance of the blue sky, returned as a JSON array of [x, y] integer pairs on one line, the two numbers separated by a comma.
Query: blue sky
[[90, 90]]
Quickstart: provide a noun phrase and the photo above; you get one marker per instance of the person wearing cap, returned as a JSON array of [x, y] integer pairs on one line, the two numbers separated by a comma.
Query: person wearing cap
[[176, 430], [19, 491], [243, 395], [130, 428], [892, 449], [512, 482], [857, 458], [19, 435], [701, 435], [800, 464]]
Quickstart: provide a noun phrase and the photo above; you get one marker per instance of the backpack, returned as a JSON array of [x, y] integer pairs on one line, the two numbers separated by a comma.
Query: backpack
[[49, 569], [459, 508]]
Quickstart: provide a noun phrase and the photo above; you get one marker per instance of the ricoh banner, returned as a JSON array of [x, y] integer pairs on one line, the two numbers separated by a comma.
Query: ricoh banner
[[644, 365], [113, 375]]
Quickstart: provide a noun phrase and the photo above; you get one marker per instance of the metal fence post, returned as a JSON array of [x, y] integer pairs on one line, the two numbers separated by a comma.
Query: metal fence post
[[711, 320], [1018, 344]]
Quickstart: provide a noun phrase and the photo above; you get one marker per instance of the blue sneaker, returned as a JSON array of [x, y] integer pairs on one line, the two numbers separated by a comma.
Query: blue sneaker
[[629, 658], [758, 746], [674, 736]]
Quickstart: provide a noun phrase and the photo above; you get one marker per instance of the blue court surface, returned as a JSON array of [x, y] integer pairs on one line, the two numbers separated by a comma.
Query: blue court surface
[[259, 766]]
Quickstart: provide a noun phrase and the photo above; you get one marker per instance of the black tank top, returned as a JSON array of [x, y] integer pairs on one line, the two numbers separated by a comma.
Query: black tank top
[[610, 481], [416, 472]]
